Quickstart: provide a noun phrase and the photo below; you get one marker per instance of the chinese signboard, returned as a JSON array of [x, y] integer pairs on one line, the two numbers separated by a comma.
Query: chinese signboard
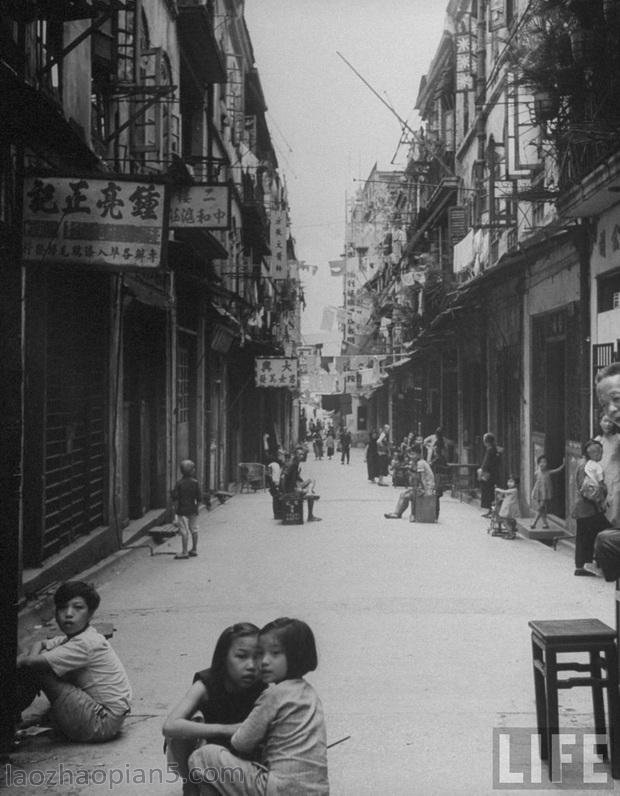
[[279, 257], [93, 222], [205, 206], [281, 372]]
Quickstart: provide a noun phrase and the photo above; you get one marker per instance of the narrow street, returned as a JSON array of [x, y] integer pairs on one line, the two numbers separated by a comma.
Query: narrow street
[[422, 630]]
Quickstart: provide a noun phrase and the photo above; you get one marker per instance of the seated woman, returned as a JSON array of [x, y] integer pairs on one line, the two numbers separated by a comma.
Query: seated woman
[[219, 699]]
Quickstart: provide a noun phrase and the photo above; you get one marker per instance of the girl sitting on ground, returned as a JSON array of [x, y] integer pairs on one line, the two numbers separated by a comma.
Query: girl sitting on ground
[[220, 697], [509, 508], [287, 721], [542, 492]]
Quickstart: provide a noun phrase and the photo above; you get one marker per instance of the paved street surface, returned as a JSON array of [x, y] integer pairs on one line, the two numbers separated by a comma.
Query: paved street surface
[[422, 630]]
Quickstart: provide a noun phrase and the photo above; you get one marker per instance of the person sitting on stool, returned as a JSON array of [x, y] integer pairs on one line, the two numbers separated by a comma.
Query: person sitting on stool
[[292, 482], [422, 482]]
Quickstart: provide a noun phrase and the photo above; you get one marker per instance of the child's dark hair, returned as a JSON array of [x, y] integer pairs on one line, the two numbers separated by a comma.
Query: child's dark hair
[[299, 645], [515, 479], [541, 457], [223, 645], [187, 467], [77, 588], [587, 444]]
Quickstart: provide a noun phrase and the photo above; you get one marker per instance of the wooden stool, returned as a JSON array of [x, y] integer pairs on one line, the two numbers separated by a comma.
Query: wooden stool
[[552, 637], [292, 509]]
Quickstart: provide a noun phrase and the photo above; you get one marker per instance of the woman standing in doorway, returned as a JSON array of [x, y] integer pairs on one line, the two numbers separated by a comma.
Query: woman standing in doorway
[[488, 473]]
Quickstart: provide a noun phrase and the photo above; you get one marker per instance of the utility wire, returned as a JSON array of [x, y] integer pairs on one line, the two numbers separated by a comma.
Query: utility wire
[[275, 124]]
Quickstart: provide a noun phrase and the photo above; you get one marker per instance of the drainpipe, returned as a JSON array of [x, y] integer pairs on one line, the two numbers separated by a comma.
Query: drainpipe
[[171, 396], [585, 233]]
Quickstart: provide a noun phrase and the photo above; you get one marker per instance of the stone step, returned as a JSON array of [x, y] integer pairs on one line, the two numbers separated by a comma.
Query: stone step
[[549, 536]]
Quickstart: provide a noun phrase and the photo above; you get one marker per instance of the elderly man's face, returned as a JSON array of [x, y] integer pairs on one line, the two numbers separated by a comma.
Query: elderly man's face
[[608, 392]]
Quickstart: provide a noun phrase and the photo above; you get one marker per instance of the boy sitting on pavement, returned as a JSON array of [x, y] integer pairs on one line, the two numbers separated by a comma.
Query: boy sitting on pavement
[[78, 672]]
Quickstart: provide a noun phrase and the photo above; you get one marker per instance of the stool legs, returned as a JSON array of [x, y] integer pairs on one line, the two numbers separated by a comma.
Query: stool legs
[[553, 721], [547, 713], [541, 698], [613, 703], [597, 702]]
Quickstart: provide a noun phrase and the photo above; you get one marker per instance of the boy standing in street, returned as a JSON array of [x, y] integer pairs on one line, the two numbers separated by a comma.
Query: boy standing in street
[[79, 672], [186, 499]]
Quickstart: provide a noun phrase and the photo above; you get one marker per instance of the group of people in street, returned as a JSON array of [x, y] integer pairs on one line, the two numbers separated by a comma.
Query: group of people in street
[[597, 481], [326, 441], [596, 504], [251, 711], [417, 463], [284, 479]]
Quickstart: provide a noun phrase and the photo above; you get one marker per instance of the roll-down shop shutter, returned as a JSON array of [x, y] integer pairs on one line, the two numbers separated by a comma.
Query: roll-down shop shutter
[[76, 381]]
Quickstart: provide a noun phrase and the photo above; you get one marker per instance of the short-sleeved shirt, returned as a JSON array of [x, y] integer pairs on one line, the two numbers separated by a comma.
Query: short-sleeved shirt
[[186, 495], [427, 477], [288, 719], [88, 661]]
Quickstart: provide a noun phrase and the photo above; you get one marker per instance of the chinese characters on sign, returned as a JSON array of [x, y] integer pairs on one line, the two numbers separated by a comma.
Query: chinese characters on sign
[[93, 222], [205, 206], [279, 372], [279, 256]]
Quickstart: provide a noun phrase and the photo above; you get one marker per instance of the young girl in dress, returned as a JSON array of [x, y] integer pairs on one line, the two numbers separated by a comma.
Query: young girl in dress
[[509, 509], [219, 697], [543, 490], [287, 721]]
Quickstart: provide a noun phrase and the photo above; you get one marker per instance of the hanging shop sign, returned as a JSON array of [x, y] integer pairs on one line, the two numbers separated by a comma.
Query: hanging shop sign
[[202, 206], [276, 372], [277, 241], [102, 222]]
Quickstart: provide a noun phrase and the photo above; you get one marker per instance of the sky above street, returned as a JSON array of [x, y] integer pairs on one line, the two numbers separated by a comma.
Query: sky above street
[[327, 127]]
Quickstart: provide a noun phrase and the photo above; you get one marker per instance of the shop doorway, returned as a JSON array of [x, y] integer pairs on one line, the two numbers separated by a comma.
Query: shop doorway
[[555, 436], [144, 433]]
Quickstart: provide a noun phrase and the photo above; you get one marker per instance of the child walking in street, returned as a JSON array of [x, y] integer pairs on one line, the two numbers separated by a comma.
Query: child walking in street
[[509, 509], [287, 721], [186, 499], [542, 491]]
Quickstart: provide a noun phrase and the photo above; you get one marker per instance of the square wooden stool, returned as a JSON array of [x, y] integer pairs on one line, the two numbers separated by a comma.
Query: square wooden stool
[[560, 636]]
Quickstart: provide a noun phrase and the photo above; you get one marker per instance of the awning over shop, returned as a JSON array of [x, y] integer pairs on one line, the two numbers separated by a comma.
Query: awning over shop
[[148, 288], [203, 243], [398, 364]]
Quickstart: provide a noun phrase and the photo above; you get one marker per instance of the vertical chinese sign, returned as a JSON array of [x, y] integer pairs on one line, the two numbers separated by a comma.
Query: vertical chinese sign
[[276, 372], [278, 236], [101, 222]]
